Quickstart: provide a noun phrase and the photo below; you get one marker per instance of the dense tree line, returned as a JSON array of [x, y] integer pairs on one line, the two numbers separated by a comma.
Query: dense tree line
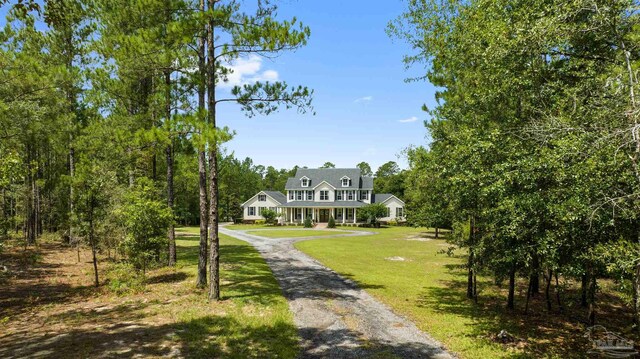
[[535, 151], [108, 120]]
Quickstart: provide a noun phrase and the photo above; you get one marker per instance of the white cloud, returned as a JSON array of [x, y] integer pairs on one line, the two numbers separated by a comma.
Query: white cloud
[[247, 71], [410, 119], [364, 99]]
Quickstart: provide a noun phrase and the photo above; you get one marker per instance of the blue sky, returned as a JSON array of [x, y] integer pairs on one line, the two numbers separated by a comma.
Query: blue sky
[[364, 109]]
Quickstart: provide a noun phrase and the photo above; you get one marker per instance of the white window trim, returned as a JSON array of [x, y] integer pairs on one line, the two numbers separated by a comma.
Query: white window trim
[[342, 181], [309, 198], [327, 197], [303, 180], [260, 196], [251, 211]]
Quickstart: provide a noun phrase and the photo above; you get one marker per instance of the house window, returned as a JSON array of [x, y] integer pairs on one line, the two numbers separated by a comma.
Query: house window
[[338, 213], [399, 212], [364, 195], [349, 213], [324, 195], [262, 198], [339, 195], [345, 182], [309, 195], [291, 195], [297, 213], [299, 195], [251, 211], [349, 195], [260, 209], [305, 182]]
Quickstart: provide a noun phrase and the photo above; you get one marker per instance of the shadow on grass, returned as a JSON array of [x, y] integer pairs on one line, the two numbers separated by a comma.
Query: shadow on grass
[[167, 278], [204, 337], [545, 334]]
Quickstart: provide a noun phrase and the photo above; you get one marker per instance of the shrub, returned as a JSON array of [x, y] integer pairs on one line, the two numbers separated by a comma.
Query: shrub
[[260, 221], [307, 223], [392, 223], [270, 216], [122, 279], [332, 222]]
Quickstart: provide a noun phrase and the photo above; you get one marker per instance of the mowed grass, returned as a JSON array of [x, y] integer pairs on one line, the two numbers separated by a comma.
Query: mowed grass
[[429, 288], [295, 233], [256, 320], [57, 313]]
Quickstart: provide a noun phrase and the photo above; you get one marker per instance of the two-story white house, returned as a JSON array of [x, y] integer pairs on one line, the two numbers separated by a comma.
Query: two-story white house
[[320, 193]]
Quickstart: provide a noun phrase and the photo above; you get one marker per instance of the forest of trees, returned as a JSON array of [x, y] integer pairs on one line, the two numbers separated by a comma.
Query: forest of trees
[[108, 120], [535, 152]]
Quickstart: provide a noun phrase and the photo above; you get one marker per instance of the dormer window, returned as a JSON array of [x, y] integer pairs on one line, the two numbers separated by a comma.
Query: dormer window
[[304, 182], [345, 181]]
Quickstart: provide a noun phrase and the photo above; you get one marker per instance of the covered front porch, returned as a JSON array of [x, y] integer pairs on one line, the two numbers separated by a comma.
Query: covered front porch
[[320, 215]]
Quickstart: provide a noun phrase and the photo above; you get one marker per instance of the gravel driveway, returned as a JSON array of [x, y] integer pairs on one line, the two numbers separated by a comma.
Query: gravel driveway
[[335, 318]]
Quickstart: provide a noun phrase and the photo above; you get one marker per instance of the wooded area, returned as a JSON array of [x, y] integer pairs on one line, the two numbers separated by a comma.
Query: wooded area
[[535, 152], [107, 113]]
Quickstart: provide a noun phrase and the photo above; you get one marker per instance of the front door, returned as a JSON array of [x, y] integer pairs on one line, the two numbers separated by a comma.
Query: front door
[[324, 215]]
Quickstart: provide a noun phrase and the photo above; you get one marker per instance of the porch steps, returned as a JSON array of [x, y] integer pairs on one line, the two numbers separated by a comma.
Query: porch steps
[[321, 225]]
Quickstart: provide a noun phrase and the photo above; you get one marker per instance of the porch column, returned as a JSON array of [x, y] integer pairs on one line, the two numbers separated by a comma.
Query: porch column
[[303, 210], [344, 214], [354, 215]]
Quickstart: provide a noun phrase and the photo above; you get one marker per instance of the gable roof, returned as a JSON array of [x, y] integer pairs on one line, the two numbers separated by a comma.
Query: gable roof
[[383, 197], [275, 195], [330, 175]]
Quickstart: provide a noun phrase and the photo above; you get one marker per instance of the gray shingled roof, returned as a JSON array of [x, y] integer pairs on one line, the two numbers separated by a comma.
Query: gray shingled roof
[[331, 176], [381, 197], [278, 196], [337, 204]]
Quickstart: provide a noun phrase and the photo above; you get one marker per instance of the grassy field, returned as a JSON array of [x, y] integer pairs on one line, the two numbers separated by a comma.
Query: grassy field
[[406, 269], [52, 310], [294, 233]]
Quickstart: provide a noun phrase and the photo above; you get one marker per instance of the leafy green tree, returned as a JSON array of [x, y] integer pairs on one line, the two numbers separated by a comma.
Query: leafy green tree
[[328, 165], [372, 212], [365, 169], [145, 219], [270, 216]]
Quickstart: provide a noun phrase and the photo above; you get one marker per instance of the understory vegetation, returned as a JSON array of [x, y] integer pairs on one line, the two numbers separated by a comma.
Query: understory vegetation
[[153, 316]]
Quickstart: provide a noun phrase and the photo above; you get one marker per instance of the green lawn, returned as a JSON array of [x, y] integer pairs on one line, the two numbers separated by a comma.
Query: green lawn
[[429, 287], [295, 233], [256, 321]]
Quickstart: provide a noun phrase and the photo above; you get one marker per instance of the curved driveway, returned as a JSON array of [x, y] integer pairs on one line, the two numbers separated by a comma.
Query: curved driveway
[[335, 318]]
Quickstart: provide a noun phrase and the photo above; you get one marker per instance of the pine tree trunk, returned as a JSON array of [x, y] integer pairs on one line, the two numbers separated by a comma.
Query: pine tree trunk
[[512, 288], [93, 246], [169, 153], [547, 295], [202, 165], [437, 232], [470, 275], [591, 315], [170, 195], [214, 255]]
